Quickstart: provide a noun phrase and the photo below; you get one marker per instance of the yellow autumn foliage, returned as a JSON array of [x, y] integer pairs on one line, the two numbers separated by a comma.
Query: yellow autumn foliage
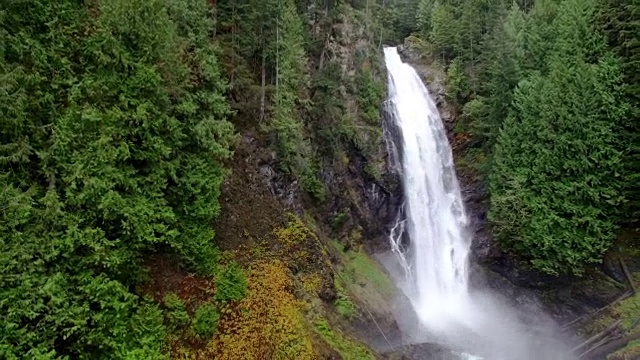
[[268, 323], [295, 241], [295, 233], [311, 283]]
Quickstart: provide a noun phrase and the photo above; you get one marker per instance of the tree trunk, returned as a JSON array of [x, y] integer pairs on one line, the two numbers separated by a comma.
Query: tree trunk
[[233, 46], [627, 274], [263, 84], [263, 74], [381, 27], [278, 49], [322, 54]]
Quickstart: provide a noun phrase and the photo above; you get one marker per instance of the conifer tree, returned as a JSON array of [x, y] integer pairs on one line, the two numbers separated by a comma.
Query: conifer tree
[[423, 17], [502, 69], [555, 185], [443, 33], [112, 146], [620, 21]]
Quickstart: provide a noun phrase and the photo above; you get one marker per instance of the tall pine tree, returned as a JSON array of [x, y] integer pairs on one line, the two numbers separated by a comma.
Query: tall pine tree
[[555, 185]]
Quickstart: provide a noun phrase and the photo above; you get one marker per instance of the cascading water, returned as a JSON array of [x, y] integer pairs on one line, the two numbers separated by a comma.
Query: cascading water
[[434, 221], [435, 217]]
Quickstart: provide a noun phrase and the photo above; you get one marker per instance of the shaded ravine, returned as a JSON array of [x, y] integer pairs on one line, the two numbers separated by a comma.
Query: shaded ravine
[[431, 240]]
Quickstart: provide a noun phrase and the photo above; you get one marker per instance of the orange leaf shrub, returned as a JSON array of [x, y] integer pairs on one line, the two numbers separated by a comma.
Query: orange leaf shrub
[[268, 323]]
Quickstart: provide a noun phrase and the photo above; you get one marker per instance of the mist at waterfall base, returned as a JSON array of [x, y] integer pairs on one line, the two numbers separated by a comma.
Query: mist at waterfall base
[[431, 242]]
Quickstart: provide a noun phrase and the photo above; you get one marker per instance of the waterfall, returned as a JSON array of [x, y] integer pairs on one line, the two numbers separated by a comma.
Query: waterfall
[[431, 241], [435, 220]]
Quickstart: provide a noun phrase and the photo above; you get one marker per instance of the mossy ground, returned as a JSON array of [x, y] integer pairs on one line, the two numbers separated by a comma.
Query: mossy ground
[[346, 347], [628, 311], [363, 275]]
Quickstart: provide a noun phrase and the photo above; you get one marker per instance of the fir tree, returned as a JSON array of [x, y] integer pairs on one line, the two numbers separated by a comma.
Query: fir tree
[[112, 145], [555, 185]]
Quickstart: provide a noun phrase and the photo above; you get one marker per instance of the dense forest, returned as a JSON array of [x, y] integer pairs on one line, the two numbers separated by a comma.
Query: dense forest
[[119, 120], [548, 90], [114, 137]]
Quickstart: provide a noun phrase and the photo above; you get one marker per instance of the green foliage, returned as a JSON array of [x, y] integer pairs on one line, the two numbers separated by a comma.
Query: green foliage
[[288, 72], [555, 185], [231, 284], [205, 320], [340, 219], [475, 160], [312, 184], [296, 154], [443, 34], [502, 69], [457, 28], [362, 269], [405, 16], [343, 304], [348, 349], [362, 274], [620, 21], [423, 17], [328, 109], [269, 319], [551, 114], [112, 138], [176, 313], [457, 84], [370, 95]]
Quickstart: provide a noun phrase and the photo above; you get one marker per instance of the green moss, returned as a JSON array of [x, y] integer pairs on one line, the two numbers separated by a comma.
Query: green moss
[[349, 349], [629, 311], [343, 304], [361, 270], [361, 283]]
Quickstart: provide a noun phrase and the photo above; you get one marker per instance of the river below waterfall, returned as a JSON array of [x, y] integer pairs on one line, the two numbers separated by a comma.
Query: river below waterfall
[[431, 241]]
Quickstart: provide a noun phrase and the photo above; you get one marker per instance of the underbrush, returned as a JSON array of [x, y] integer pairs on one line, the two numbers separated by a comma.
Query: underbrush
[[348, 349]]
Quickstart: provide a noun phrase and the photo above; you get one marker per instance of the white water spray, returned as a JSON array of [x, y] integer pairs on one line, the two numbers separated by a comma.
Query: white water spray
[[436, 262], [435, 217]]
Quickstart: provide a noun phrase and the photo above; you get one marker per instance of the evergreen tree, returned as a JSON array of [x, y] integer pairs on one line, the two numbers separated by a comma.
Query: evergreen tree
[[423, 17], [541, 34], [291, 77], [443, 33], [555, 185], [113, 134], [620, 20], [502, 69], [405, 19], [457, 84]]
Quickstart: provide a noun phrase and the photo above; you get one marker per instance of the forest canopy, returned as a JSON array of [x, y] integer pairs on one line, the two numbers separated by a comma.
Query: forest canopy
[[112, 137], [116, 122], [548, 91]]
